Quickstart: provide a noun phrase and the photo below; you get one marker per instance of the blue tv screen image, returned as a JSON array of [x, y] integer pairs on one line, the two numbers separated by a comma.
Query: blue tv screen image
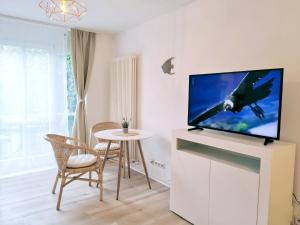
[[247, 102]]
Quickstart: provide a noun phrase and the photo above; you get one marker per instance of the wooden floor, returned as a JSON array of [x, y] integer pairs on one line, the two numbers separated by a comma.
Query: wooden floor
[[27, 200]]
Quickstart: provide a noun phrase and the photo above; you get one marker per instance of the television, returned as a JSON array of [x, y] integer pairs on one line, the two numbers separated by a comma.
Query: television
[[244, 102]]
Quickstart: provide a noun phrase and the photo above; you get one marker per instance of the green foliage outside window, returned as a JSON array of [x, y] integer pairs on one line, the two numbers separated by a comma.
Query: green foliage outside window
[[72, 100]]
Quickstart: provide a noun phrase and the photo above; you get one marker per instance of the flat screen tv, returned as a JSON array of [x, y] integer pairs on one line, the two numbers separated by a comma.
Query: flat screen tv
[[244, 102]]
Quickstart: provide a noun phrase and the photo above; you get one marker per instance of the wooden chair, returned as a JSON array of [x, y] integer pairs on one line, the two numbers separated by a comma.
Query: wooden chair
[[71, 167], [101, 145]]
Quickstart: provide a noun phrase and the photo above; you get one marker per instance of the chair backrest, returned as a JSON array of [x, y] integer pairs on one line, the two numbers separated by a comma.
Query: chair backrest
[[102, 126], [62, 148]]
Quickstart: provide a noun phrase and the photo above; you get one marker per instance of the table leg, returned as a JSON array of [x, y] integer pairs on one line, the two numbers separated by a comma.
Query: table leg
[[106, 154], [123, 161], [120, 169], [128, 159], [144, 164]]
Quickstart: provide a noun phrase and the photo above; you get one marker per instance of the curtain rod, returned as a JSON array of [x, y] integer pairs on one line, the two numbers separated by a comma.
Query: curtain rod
[[45, 23]]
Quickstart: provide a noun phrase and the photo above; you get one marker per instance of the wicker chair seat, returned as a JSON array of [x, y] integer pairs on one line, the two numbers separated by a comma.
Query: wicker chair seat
[[102, 146], [82, 160], [82, 169]]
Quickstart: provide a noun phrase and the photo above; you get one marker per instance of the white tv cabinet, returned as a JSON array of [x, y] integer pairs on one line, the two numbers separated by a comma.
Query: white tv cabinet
[[225, 179]]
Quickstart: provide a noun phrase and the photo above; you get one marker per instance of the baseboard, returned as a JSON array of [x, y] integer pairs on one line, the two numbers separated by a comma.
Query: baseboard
[[140, 170]]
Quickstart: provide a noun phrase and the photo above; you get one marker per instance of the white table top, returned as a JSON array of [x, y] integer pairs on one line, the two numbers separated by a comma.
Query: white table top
[[109, 135]]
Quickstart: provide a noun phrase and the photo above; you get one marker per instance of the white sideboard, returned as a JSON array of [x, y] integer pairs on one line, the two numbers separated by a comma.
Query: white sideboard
[[226, 179]]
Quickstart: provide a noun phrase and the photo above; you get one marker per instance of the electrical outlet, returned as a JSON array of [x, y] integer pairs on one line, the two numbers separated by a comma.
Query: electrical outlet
[[158, 164]]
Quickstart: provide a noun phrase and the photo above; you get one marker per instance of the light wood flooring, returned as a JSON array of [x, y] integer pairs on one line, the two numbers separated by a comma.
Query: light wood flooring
[[27, 200]]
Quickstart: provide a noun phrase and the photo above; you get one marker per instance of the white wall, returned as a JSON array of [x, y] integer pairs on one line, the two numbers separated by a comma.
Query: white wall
[[97, 99], [212, 36]]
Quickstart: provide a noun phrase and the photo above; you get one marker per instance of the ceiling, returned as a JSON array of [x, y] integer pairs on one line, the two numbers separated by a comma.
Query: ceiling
[[102, 16]]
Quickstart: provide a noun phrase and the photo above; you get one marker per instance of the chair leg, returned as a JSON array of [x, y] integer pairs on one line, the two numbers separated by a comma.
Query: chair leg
[[90, 177], [106, 154], [63, 180], [55, 183]]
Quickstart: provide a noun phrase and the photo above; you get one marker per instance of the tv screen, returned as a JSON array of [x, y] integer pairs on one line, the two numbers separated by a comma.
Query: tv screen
[[246, 102]]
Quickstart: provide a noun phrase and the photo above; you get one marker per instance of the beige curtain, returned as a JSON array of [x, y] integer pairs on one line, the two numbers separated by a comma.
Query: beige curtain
[[123, 96], [83, 48]]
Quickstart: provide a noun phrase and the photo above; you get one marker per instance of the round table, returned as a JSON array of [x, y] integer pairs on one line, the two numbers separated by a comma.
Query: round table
[[117, 135]]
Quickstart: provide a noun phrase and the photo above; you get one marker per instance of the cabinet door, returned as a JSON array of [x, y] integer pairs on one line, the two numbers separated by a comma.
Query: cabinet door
[[233, 195], [190, 187]]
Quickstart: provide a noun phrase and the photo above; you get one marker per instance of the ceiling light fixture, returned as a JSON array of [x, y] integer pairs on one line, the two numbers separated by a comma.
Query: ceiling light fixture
[[63, 10]]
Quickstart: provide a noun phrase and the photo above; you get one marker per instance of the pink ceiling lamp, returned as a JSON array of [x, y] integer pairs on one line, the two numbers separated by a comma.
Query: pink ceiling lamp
[[63, 10]]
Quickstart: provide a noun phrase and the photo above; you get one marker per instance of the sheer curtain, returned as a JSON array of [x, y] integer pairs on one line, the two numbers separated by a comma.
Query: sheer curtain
[[33, 93]]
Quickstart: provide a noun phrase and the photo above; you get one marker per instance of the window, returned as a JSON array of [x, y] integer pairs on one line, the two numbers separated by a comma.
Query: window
[[72, 99], [37, 94]]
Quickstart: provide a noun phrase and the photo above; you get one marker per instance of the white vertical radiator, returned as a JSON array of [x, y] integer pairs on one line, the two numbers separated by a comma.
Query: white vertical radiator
[[123, 94]]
